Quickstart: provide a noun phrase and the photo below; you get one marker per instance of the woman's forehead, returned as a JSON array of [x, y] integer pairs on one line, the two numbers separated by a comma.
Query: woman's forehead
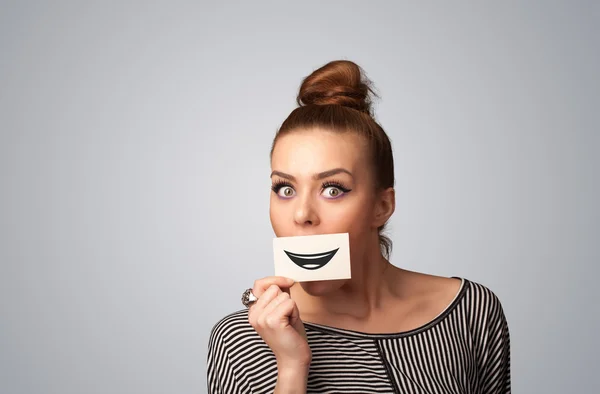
[[317, 150]]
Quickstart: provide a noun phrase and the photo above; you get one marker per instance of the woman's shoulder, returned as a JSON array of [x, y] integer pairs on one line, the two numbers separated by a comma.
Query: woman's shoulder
[[470, 301], [484, 314], [454, 291], [231, 325], [234, 332], [481, 297], [481, 309], [233, 350]]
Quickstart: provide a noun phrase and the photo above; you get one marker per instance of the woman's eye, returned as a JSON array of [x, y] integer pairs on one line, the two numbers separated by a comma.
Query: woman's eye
[[286, 192], [332, 192]]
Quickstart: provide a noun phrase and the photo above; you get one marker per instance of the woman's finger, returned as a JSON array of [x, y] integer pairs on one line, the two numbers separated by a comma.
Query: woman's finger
[[295, 320], [256, 309], [261, 285], [281, 297], [280, 316], [267, 296]]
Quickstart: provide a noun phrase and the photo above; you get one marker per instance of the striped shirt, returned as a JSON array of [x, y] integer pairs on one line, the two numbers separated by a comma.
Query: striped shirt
[[465, 349]]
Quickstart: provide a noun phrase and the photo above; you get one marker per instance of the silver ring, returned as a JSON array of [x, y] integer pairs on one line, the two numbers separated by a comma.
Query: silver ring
[[248, 298]]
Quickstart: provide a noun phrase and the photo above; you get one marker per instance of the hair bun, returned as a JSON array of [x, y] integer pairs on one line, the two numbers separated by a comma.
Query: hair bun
[[340, 82]]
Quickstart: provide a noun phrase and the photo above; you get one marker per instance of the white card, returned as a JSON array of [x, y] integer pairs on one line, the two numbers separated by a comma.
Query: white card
[[312, 257]]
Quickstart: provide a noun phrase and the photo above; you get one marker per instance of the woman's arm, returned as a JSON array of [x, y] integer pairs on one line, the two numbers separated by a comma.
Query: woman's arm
[[291, 381], [220, 374], [276, 318], [495, 368]]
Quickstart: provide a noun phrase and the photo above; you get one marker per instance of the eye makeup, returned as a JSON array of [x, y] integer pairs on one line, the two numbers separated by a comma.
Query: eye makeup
[[280, 184], [336, 184]]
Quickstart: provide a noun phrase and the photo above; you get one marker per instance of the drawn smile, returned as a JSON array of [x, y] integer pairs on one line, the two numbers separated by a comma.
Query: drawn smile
[[311, 261]]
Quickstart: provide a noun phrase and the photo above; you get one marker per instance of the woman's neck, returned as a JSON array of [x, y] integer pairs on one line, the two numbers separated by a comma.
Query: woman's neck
[[371, 285]]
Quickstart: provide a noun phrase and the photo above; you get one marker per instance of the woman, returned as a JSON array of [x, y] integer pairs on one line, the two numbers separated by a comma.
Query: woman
[[386, 330]]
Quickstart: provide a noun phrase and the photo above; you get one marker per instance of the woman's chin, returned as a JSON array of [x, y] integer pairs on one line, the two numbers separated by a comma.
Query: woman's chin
[[322, 287]]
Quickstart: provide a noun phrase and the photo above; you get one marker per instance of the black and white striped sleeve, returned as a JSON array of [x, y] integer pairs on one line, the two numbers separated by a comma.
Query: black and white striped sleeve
[[495, 366], [220, 374]]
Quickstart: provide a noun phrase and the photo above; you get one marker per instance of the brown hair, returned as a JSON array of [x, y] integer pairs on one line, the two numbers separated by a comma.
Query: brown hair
[[337, 97]]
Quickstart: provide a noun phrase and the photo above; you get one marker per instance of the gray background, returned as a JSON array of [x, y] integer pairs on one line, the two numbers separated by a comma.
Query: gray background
[[134, 173]]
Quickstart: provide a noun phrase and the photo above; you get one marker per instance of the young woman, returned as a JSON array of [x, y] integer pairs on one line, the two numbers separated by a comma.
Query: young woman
[[386, 330]]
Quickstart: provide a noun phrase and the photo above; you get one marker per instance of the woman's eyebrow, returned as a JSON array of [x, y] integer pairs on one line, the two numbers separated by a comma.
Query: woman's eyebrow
[[320, 175], [329, 173], [283, 175]]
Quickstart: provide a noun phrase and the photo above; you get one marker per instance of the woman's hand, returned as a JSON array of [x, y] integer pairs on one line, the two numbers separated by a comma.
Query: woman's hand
[[276, 318]]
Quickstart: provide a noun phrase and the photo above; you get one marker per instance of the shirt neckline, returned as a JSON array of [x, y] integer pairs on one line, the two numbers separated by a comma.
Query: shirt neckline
[[360, 334]]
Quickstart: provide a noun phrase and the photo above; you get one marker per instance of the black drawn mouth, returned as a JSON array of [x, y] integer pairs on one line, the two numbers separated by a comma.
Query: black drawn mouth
[[311, 261]]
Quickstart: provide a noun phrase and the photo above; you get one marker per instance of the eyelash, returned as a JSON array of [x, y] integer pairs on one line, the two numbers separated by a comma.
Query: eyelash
[[280, 184], [337, 185]]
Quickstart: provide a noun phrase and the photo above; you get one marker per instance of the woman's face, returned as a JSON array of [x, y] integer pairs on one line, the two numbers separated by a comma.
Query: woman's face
[[322, 184]]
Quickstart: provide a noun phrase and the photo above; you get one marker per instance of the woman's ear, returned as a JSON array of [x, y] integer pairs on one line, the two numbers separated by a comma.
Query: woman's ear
[[384, 206]]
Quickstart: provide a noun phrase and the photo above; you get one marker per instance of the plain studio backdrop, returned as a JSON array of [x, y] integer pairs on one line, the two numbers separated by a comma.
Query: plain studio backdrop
[[134, 173]]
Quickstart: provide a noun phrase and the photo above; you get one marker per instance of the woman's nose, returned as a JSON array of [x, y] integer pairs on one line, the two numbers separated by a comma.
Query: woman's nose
[[305, 213]]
